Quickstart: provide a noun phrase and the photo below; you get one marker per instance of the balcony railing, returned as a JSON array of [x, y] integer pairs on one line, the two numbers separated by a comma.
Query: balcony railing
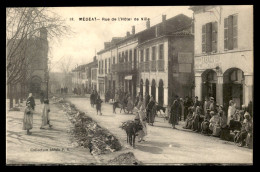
[[122, 67], [147, 66], [160, 65], [153, 65]]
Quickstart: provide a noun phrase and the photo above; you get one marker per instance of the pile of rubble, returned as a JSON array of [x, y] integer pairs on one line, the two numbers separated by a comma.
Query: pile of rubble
[[89, 134], [125, 159]]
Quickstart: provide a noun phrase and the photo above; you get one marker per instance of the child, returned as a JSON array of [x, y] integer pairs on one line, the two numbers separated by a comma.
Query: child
[[98, 104]]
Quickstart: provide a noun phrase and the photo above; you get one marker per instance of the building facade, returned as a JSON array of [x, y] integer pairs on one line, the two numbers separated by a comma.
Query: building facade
[[165, 59], [224, 53]]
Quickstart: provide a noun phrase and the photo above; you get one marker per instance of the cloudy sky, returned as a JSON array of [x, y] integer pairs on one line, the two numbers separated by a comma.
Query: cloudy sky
[[89, 36]]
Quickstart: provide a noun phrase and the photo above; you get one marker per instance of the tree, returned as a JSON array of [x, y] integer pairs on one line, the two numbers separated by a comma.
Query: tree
[[65, 66], [22, 25]]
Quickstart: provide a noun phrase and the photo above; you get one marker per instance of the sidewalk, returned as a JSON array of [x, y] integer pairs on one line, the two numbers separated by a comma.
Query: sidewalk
[[164, 144], [48, 146]]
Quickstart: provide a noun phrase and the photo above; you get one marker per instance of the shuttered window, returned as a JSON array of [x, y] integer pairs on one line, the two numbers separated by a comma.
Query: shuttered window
[[226, 33], [142, 55], [214, 36], [209, 37], [230, 32], [204, 38], [153, 53], [161, 54], [147, 54]]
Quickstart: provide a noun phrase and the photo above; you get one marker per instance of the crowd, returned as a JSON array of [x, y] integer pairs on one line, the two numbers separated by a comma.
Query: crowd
[[209, 118]]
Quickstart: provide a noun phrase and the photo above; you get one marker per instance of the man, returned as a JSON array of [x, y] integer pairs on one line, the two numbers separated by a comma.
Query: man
[[212, 105], [151, 111], [245, 131], [31, 100], [175, 112], [206, 105], [187, 104], [196, 102]]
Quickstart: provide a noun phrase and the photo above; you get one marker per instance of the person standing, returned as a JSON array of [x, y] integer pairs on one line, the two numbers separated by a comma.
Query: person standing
[[28, 118], [231, 111], [41, 97], [98, 104], [196, 102], [141, 117], [206, 105], [45, 115], [92, 98], [182, 109], [151, 111], [31, 100], [175, 111]]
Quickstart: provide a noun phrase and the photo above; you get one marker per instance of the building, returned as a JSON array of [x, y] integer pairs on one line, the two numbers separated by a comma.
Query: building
[[224, 53], [35, 49], [79, 78], [165, 60], [91, 72]]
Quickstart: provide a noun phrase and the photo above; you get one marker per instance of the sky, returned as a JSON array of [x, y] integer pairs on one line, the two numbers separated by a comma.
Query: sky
[[89, 36]]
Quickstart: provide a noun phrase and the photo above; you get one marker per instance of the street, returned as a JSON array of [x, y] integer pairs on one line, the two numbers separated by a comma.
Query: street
[[164, 145], [47, 146]]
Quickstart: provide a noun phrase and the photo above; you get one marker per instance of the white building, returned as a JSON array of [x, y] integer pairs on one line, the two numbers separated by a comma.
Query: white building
[[224, 53]]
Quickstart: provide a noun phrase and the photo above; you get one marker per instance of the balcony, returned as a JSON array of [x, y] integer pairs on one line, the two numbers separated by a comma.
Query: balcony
[[160, 65], [141, 67], [147, 66], [122, 67], [153, 66]]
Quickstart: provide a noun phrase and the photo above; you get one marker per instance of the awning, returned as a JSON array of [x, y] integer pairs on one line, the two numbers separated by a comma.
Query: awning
[[128, 77]]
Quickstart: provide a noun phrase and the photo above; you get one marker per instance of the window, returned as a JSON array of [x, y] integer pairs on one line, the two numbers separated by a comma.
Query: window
[[114, 60], [230, 32], [130, 55], [209, 37], [106, 66], [126, 56], [141, 55], [161, 54], [147, 54], [109, 65], [123, 57], [153, 53], [99, 66]]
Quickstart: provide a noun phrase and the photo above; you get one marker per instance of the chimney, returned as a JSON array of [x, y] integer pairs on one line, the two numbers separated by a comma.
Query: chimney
[[133, 30], [127, 34], [163, 23], [147, 24]]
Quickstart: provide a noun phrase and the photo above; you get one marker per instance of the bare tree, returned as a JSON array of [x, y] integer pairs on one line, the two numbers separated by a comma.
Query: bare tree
[[22, 25], [65, 66]]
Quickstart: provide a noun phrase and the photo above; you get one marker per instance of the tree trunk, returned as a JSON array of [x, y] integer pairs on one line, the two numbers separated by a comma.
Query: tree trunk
[[21, 93], [11, 96], [16, 94]]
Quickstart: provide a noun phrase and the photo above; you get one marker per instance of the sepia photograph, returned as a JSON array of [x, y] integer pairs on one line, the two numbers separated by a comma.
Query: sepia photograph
[[129, 85]]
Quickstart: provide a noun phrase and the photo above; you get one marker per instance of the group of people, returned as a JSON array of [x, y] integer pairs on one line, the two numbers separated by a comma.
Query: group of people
[[29, 112], [96, 100], [210, 118]]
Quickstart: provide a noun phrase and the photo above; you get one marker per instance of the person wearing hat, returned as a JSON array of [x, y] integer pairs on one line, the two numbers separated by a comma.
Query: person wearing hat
[[206, 105], [175, 112], [196, 121], [45, 114], [212, 105], [28, 118], [31, 100]]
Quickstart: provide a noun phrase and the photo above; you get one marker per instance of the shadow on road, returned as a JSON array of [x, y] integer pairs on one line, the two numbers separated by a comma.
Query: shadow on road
[[150, 149]]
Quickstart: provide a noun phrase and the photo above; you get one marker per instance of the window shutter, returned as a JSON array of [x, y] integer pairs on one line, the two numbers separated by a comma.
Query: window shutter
[[208, 37], [214, 36], [234, 31], [230, 32], [203, 42], [226, 33]]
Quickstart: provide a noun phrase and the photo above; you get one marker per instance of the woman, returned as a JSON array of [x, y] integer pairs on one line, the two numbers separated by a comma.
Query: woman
[[31, 100], [98, 104], [45, 114], [141, 117], [205, 123], [151, 111], [231, 111], [28, 118], [130, 105], [214, 125]]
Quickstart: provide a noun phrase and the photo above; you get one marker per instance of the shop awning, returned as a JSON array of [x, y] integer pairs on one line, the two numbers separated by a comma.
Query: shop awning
[[128, 77]]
